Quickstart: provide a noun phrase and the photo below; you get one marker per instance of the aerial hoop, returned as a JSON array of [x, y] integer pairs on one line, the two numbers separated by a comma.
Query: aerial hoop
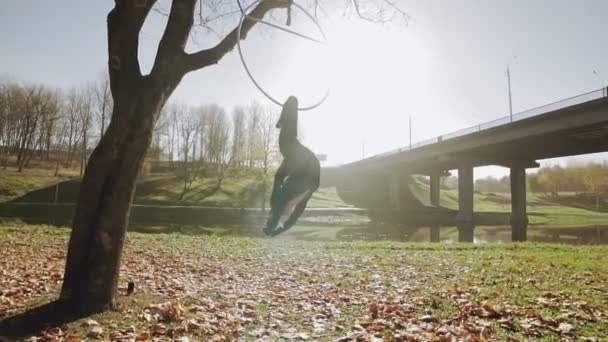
[[238, 39]]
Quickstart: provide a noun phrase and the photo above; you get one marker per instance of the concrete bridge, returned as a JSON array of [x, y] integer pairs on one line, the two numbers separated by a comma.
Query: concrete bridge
[[573, 126]]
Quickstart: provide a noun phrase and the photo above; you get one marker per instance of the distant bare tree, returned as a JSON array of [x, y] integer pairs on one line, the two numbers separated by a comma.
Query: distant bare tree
[[102, 102], [71, 117], [596, 181], [11, 107], [4, 122], [238, 136], [61, 137], [217, 134], [173, 115], [49, 124], [86, 95], [188, 128], [268, 138], [202, 122], [254, 121], [38, 103]]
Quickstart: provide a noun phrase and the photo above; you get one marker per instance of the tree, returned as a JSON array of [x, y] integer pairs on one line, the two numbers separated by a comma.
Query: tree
[[71, 116], [98, 229], [202, 122], [238, 136], [84, 120], [268, 138], [492, 184], [596, 181], [254, 131], [100, 219], [217, 134], [188, 128], [4, 119], [554, 178], [535, 185], [102, 102], [36, 104]]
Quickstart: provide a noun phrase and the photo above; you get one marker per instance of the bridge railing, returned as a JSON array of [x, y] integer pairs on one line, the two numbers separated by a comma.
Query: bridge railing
[[561, 104]]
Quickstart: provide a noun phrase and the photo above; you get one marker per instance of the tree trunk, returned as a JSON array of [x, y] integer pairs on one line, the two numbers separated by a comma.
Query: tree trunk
[[100, 220], [93, 259]]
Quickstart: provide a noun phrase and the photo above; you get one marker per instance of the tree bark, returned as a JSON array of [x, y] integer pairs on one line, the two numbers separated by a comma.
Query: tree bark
[[106, 193]]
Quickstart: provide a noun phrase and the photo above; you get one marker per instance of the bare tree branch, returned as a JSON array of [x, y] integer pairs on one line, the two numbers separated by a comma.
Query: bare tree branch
[[399, 10], [378, 16], [211, 56], [173, 41], [124, 24], [206, 21]]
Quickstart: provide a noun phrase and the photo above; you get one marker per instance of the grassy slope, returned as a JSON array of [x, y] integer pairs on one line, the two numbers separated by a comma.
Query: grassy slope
[[276, 288], [541, 211], [238, 189], [15, 184]]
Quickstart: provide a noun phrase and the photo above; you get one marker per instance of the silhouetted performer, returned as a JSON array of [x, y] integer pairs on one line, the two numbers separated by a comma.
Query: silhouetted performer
[[297, 178]]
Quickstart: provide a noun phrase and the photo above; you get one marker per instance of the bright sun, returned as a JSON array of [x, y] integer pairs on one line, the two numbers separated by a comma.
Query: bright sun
[[377, 76]]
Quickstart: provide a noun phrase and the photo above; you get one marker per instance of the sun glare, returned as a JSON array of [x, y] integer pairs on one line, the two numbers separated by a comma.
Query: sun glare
[[377, 76]]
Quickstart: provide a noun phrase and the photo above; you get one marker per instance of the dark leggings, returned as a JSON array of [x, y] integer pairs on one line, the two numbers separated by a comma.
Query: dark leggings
[[291, 188]]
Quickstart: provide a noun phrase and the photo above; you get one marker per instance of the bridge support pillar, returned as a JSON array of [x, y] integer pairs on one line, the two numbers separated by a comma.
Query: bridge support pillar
[[435, 179], [435, 235], [394, 191], [519, 216], [464, 219]]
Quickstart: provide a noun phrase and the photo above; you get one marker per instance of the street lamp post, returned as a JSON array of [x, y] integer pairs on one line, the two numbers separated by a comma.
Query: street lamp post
[[410, 132], [509, 87], [510, 98]]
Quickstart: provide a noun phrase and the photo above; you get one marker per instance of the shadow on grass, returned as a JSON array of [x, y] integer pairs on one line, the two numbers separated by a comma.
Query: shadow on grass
[[38, 319]]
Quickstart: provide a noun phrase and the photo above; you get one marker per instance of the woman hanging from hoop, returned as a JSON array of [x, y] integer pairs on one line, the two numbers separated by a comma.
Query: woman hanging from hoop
[[299, 175], [297, 178]]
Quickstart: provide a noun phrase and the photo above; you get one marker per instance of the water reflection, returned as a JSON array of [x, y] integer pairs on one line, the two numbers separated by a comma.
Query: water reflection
[[483, 234], [389, 232]]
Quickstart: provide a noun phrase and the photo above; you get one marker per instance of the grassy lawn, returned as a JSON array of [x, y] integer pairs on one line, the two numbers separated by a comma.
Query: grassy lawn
[[228, 287]]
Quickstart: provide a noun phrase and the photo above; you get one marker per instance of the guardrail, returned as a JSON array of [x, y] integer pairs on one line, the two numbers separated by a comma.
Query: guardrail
[[551, 107]]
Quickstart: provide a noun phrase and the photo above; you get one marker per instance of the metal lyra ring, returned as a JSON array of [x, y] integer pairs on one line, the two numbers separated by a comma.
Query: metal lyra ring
[[238, 37]]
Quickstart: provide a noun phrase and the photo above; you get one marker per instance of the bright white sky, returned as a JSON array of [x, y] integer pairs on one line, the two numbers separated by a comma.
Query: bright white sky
[[446, 68]]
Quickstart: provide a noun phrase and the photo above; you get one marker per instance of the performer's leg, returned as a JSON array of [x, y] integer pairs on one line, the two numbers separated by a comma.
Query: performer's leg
[[293, 218], [280, 197]]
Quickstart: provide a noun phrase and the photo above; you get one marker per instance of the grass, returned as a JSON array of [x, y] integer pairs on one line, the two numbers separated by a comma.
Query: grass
[[238, 189], [542, 211], [285, 288], [244, 189], [15, 184]]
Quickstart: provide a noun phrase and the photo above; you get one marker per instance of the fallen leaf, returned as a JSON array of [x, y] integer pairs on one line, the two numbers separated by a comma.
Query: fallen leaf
[[95, 332]]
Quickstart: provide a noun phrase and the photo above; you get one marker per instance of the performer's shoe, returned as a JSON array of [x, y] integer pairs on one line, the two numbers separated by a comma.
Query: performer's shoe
[[268, 231]]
